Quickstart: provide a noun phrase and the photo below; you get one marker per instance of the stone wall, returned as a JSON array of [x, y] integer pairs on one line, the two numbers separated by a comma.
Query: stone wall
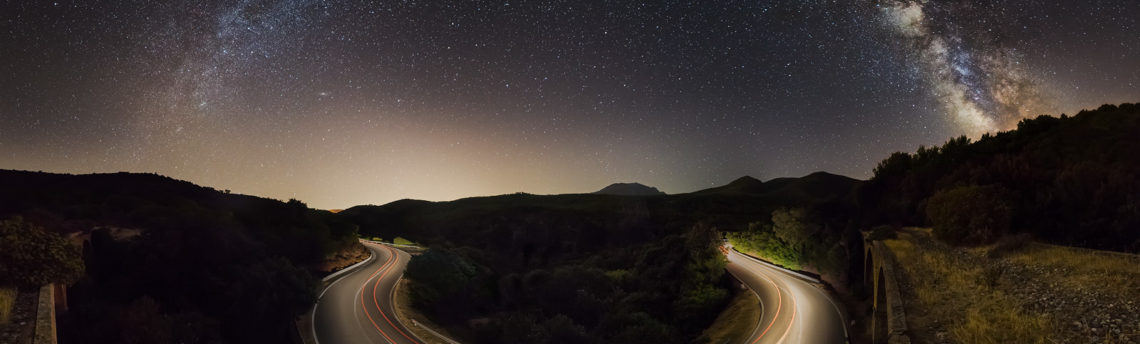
[[45, 316], [888, 324]]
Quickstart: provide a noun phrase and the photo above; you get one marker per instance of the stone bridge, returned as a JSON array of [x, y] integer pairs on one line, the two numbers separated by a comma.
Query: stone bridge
[[888, 323]]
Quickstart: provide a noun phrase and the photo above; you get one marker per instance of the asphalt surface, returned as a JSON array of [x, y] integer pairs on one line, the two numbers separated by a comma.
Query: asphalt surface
[[357, 306], [794, 311]]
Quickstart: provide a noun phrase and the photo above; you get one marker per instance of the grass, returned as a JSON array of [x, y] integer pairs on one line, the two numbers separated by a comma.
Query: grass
[[402, 241], [7, 302], [951, 295], [736, 322], [1077, 268]]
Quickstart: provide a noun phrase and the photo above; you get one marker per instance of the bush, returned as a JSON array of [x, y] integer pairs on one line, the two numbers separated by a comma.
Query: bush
[[31, 257], [761, 241], [883, 232], [969, 215]]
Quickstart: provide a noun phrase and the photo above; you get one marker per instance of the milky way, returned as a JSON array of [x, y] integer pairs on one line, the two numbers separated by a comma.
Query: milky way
[[980, 83], [347, 102]]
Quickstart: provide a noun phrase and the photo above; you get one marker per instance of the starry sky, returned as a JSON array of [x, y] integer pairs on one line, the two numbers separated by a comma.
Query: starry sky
[[339, 103]]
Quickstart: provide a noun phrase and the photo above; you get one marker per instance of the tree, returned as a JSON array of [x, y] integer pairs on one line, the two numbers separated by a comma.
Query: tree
[[794, 226], [970, 214], [31, 257], [444, 281]]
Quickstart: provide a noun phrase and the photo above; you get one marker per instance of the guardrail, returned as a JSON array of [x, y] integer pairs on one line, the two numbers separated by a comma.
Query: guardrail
[[437, 334], [794, 273], [391, 244]]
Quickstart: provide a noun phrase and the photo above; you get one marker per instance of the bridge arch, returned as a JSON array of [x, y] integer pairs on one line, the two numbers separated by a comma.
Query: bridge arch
[[888, 317]]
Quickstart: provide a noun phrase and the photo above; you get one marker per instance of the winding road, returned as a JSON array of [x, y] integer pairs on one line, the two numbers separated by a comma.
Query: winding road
[[794, 310], [357, 306]]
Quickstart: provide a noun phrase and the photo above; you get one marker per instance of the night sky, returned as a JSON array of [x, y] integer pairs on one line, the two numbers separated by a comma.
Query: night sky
[[344, 103]]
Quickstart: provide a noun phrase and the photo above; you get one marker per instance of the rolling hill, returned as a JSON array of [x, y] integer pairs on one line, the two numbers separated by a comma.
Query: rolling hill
[[629, 189]]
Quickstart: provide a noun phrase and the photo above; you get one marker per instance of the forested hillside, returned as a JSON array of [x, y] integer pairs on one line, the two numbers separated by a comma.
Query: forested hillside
[[1070, 180], [171, 262], [582, 268]]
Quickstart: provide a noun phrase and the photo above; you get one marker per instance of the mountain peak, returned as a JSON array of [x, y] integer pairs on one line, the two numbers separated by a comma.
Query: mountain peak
[[745, 180], [629, 189]]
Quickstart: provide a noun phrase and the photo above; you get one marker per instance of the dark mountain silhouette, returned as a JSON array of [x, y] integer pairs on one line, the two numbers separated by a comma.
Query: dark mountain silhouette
[[818, 185], [742, 185], [208, 265], [629, 189]]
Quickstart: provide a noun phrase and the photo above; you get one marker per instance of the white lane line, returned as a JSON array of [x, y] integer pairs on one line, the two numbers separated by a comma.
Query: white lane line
[[755, 331], [791, 297], [807, 281], [805, 284], [360, 296], [779, 306], [313, 314]]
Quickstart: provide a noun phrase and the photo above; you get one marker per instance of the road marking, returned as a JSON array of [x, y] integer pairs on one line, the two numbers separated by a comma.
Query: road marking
[[313, 315], [791, 296], [779, 303], [365, 307], [375, 301]]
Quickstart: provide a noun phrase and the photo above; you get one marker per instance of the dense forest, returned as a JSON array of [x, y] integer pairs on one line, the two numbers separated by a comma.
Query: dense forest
[[587, 268], [167, 261], [1069, 180]]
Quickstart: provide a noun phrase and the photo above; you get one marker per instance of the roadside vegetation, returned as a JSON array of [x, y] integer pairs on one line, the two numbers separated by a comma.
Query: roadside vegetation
[[736, 322], [798, 239], [408, 314]]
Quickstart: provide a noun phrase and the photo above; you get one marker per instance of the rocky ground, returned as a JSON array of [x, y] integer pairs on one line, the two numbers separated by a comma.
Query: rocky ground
[[1100, 309], [21, 325], [1067, 295]]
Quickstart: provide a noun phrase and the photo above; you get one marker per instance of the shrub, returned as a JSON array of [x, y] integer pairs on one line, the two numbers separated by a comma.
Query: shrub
[[31, 257], [969, 215], [883, 232]]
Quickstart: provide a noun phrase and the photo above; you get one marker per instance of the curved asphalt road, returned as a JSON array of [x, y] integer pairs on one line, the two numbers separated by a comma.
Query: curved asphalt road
[[357, 307], [794, 311]]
